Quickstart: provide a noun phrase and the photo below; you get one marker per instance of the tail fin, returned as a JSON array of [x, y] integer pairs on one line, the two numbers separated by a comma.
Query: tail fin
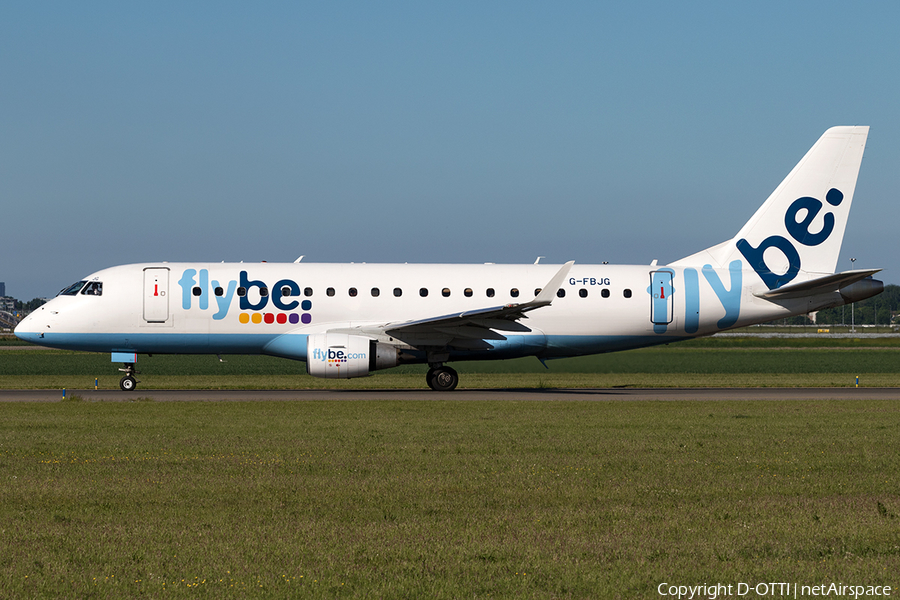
[[801, 226]]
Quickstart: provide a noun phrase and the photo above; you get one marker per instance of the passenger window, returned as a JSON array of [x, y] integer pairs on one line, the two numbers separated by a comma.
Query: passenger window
[[490, 292], [219, 291], [376, 292], [242, 291], [94, 288], [285, 291], [537, 292], [263, 291], [468, 293], [582, 292], [627, 293], [196, 291], [398, 292], [307, 292], [514, 292], [352, 292], [423, 292], [560, 293], [604, 292], [329, 292], [445, 292]]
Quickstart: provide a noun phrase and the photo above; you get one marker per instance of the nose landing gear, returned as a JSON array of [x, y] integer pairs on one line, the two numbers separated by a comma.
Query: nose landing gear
[[128, 383]]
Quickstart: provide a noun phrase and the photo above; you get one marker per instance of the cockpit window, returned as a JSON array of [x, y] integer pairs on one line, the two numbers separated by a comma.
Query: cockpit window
[[72, 289], [94, 288]]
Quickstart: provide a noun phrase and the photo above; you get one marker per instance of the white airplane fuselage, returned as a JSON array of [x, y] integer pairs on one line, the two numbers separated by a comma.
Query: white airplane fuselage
[[601, 308]]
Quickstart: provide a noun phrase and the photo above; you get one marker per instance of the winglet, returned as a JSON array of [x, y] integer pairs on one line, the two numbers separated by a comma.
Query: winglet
[[549, 291]]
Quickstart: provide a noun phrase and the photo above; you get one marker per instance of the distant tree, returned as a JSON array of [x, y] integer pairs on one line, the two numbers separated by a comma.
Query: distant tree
[[30, 305], [798, 320], [864, 311]]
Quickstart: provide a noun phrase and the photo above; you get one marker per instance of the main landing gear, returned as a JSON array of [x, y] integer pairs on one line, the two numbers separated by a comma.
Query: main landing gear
[[442, 379], [128, 383]]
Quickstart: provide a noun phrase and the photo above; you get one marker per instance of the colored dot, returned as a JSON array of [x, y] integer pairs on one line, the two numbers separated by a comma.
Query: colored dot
[[256, 318], [295, 318], [306, 318], [281, 318], [269, 318], [834, 196], [306, 304], [244, 318]]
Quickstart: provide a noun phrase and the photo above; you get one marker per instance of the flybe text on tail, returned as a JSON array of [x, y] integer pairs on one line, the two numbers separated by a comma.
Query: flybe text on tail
[[809, 208]]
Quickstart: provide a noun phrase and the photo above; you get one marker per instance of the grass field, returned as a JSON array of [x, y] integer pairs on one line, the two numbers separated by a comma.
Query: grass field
[[443, 499], [447, 499], [720, 362]]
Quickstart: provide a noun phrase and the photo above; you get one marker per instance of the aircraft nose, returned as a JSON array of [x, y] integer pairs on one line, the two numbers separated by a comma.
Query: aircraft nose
[[28, 331]]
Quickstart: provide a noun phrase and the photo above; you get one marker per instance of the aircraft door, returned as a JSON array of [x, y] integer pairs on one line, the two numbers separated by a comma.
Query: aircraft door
[[156, 295], [662, 308]]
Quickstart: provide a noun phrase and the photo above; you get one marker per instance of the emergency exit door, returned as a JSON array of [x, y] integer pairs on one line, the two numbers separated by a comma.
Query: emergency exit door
[[662, 309], [156, 295]]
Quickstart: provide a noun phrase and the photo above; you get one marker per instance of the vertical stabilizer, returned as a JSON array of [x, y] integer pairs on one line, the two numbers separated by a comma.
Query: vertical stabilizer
[[800, 226]]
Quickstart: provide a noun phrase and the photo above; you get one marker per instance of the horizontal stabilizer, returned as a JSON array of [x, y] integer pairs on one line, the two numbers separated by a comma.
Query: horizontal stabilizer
[[822, 285]]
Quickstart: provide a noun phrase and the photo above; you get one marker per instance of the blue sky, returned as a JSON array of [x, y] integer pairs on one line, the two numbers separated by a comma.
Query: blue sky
[[420, 132]]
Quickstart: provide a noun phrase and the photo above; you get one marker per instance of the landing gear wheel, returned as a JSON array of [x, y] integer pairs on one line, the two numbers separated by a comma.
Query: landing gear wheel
[[429, 378], [127, 383], [443, 379]]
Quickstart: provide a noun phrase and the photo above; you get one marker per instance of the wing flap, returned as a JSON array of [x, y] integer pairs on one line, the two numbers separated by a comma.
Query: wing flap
[[471, 332]]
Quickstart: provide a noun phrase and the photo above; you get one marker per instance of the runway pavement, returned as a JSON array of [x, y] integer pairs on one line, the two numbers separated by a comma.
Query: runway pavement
[[606, 394]]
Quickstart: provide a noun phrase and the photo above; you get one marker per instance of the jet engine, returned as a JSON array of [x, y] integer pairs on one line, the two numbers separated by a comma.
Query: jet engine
[[332, 355]]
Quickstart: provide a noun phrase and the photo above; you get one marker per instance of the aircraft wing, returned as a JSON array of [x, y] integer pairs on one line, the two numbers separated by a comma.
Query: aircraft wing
[[822, 285], [472, 329]]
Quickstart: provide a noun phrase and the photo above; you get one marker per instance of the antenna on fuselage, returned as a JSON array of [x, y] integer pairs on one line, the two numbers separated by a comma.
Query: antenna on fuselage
[[300, 258], [539, 259]]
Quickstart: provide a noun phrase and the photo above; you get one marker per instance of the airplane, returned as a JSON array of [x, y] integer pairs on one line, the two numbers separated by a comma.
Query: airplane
[[349, 320]]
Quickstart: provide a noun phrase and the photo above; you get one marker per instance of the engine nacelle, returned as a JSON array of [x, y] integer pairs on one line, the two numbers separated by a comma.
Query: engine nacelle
[[342, 355]]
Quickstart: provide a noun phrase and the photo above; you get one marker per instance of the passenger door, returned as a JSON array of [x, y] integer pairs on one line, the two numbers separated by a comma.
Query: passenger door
[[662, 309], [156, 295]]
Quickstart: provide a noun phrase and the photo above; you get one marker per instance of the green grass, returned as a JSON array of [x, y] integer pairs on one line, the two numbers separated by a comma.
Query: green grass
[[443, 499], [717, 362]]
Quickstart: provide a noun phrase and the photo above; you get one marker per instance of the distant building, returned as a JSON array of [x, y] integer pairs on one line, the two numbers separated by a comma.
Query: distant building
[[2, 289]]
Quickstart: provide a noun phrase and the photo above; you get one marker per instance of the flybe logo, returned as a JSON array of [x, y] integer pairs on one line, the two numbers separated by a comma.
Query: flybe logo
[[336, 356], [196, 284], [799, 231]]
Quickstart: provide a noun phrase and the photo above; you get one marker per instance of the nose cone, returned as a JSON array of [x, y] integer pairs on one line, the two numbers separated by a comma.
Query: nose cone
[[27, 330]]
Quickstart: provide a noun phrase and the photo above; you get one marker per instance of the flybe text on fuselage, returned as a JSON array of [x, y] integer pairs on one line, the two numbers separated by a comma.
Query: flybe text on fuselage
[[196, 284], [271, 305]]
